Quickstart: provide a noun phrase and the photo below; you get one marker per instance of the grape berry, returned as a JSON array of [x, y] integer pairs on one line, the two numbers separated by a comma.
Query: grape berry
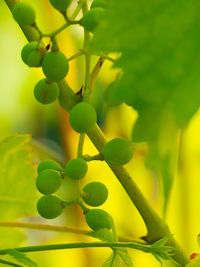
[[95, 194], [48, 164], [118, 151], [32, 54], [23, 13], [91, 19], [82, 117], [98, 219], [60, 5], [76, 168], [48, 181], [46, 92], [49, 207], [55, 66]]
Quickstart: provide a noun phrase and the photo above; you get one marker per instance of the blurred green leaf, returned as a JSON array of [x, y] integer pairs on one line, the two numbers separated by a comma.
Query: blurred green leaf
[[17, 184], [123, 253], [112, 261], [102, 234], [159, 42], [21, 258]]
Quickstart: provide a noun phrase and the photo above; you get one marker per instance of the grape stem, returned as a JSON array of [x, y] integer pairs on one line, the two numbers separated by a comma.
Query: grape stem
[[157, 228], [80, 145], [87, 59], [60, 228], [132, 245], [76, 55], [98, 156]]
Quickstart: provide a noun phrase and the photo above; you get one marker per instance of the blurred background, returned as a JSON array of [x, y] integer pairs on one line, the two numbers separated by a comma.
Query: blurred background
[[52, 137]]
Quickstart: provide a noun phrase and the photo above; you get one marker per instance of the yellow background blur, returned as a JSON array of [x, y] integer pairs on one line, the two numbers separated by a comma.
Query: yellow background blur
[[19, 112]]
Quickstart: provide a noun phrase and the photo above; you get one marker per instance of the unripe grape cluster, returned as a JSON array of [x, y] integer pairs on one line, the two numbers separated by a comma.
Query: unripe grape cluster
[[82, 117]]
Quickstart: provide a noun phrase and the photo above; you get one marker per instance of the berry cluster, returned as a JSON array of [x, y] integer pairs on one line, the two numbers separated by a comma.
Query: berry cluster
[[54, 63], [49, 180], [82, 118]]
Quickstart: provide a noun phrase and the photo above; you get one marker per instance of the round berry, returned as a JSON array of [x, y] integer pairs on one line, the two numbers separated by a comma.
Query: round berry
[[49, 164], [95, 194], [91, 18], [32, 54], [23, 13], [76, 168], [98, 3], [60, 5], [49, 207], [82, 117], [98, 219], [48, 181], [118, 151], [46, 92], [55, 66]]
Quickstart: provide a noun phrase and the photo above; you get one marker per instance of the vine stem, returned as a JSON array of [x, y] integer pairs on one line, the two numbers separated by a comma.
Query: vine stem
[[60, 228], [9, 263], [157, 228], [87, 58], [144, 248], [77, 9], [80, 145]]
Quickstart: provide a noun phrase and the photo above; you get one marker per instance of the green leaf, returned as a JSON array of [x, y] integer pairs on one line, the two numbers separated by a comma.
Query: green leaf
[[17, 184], [161, 242], [102, 234], [160, 58], [21, 257], [113, 260], [123, 253]]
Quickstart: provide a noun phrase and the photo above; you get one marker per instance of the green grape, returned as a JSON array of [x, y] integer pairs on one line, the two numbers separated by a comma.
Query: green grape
[[55, 66], [34, 59], [98, 3], [91, 18], [48, 181], [46, 92], [95, 194], [60, 5], [98, 219], [49, 164], [49, 207], [32, 54], [23, 13], [118, 151], [82, 117], [76, 168]]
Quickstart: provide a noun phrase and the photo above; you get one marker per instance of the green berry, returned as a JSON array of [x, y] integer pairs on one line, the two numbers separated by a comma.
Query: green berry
[[76, 168], [60, 5], [98, 219], [82, 117], [118, 151], [23, 13], [48, 164], [55, 66], [91, 18], [49, 207], [46, 92], [95, 194], [32, 54], [98, 3], [48, 181]]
